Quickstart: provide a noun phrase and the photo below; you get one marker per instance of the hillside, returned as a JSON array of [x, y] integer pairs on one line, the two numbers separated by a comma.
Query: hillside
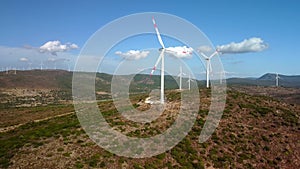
[[62, 80], [36, 79], [259, 127], [267, 79], [254, 132]]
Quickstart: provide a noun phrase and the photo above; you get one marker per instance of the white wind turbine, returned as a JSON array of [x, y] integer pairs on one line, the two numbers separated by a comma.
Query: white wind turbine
[[189, 82], [180, 77], [223, 75], [208, 65], [29, 66], [69, 66], [277, 79], [42, 64], [161, 58]]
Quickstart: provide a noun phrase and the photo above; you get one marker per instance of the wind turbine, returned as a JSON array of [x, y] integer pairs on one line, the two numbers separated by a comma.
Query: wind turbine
[[69, 67], [277, 79], [171, 50], [67, 61], [180, 77], [41, 65], [160, 58], [208, 65], [189, 81], [222, 76], [29, 65]]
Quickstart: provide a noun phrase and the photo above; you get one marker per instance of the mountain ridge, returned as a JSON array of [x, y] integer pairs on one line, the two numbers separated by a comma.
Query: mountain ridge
[[61, 79]]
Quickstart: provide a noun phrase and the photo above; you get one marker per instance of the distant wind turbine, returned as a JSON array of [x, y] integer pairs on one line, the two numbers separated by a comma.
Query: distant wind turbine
[[69, 67], [180, 77], [223, 75], [277, 79], [29, 65], [208, 65], [41, 65], [189, 82]]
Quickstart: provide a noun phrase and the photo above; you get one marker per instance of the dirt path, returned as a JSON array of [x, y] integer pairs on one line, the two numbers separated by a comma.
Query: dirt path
[[9, 128]]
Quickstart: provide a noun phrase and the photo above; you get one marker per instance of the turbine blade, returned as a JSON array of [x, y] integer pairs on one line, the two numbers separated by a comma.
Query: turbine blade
[[204, 55], [157, 62], [212, 55], [157, 33]]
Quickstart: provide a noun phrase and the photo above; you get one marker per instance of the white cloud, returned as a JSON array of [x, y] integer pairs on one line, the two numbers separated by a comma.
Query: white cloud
[[51, 60], [23, 59], [180, 51], [204, 49], [133, 54], [11, 56], [55, 46], [73, 46], [248, 45]]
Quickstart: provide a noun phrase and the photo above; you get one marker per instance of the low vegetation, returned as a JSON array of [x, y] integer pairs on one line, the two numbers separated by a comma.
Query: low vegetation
[[255, 132]]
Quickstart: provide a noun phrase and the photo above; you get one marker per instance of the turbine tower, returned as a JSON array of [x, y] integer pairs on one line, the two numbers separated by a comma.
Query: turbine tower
[[277, 79], [189, 81], [208, 65], [180, 77]]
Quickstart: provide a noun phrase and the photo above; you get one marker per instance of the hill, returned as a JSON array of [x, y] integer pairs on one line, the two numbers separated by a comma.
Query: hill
[[36, 79], [267, 79], [62, 80]]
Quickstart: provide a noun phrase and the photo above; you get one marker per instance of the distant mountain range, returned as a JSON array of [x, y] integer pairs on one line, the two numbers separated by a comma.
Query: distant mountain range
[[60, 79]]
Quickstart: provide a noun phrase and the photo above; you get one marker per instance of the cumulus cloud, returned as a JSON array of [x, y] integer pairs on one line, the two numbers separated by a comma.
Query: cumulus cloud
[[180, 51], [133, 54], [248, 45], [56, 46], [23, 59]]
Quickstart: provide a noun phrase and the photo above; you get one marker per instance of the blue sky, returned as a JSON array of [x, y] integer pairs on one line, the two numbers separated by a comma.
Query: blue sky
[[34, 23]]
